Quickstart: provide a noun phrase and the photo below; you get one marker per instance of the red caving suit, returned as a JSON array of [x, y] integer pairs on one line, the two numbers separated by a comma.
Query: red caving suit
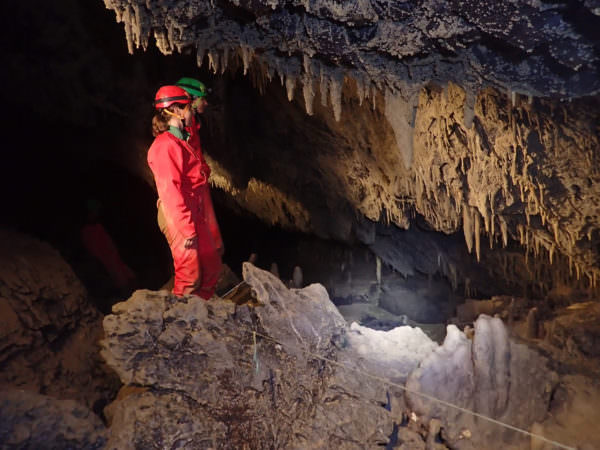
[[209, 211], [181, 179], [99, 244]]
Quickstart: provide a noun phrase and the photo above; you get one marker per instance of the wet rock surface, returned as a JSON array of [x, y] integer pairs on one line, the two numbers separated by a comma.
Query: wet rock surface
[[48, 328], [290, 373]]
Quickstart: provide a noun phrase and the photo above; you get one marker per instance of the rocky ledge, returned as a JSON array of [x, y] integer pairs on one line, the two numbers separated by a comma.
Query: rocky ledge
[[290, 373]]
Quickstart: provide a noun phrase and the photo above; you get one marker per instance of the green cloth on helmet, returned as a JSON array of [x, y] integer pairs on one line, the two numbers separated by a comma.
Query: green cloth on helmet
[[192, 86]]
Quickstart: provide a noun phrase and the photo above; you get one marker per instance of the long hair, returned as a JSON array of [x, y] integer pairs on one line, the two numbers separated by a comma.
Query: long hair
[[160, 121]]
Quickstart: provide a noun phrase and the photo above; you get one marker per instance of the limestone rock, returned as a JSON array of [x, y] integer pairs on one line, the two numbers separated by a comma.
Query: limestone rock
[[450, 130], [29, 420], [202, 358], [576, 330], [388, 42], [48, 327], [289, 373], [165, 420]]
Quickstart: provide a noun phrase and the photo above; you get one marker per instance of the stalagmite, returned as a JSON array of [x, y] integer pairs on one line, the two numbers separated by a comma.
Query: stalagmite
[[378, 269], [297, 277], [275, 269]]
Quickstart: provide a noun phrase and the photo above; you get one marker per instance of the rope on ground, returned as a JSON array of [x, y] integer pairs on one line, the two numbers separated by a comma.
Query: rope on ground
[[400, 386]]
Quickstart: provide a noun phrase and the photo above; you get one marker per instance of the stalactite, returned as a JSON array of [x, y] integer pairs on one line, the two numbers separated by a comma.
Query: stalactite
[[247, 56], [504, 231], [335, 91], [213, 61], [324, 87], [290, 86], [225, 60], [400, 115], [308, 90], [373, 96], [477, 231], [469, 108], [360, 89]]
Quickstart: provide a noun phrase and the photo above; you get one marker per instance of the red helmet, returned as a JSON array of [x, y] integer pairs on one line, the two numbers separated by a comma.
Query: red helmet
[[168, 95]]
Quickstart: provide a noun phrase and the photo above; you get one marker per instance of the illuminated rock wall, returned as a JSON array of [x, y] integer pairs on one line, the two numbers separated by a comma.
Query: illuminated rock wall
[[476, 117]]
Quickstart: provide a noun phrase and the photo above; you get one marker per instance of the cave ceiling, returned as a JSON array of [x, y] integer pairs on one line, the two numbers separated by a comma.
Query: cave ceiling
[[479, 116]]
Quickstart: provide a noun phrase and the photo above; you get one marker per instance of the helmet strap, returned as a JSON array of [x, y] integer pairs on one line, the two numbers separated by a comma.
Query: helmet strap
[[174, 114]]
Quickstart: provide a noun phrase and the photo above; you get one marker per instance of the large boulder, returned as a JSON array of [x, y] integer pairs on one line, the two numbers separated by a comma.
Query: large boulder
[[254, 375], [48, 328], [288, 372]]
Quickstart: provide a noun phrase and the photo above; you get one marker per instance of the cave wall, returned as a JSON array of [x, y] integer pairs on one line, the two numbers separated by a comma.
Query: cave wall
[[481, 119]]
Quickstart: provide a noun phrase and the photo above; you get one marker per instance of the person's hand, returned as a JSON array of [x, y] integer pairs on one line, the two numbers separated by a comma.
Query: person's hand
[[190, 242]]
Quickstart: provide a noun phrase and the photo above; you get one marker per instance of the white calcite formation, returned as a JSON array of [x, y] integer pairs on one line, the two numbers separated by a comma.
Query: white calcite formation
[[489, 375]]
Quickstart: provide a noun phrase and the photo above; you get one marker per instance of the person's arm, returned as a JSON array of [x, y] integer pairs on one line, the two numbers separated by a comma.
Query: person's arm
[[165, 159]]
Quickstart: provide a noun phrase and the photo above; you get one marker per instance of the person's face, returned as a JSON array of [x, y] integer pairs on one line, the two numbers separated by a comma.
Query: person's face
[[199, 104], [186, 114]]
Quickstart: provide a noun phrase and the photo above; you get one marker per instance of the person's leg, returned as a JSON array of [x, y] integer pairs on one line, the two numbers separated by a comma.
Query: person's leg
[[211, 219], [187, 267], [210, 262], [185, 260]]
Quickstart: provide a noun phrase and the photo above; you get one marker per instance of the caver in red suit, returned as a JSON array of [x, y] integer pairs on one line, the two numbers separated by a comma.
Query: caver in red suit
[[209, 211], [181, 180], [97, 241]]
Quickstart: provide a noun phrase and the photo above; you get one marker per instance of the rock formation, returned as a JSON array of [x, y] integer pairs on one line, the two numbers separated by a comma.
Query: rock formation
[[290, 373], [48, 328], [480, 118], [29, 421]]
